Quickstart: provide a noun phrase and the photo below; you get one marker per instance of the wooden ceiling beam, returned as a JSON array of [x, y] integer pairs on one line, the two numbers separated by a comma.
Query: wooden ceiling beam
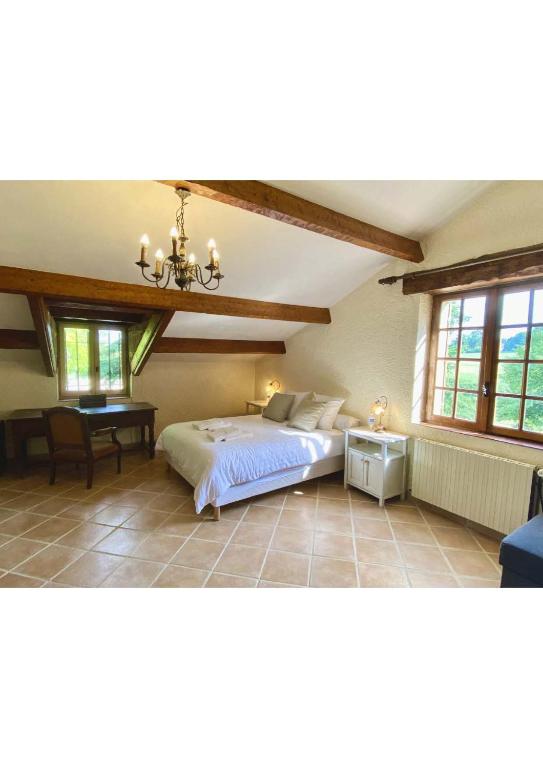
[[83, 312], [170, 344], [46, 332], [11, 339], [276, 204], [156, 325], [53, 285], [517, 265]]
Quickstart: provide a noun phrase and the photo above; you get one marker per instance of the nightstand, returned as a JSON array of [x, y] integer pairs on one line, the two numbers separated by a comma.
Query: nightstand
[[258, 405], [376, 462]]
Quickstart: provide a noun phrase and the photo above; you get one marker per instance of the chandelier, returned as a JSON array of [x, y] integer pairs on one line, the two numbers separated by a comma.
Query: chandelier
[[185, 270]]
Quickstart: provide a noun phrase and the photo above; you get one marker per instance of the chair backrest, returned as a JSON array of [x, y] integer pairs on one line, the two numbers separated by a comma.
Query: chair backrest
[[67, 428]]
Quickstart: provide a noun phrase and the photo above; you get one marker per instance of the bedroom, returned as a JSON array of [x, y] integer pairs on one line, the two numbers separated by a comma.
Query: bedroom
[[293, 515], [288, 501]]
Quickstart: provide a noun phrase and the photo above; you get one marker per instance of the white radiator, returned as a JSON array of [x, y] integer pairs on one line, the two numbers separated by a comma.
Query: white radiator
[[489, 490]]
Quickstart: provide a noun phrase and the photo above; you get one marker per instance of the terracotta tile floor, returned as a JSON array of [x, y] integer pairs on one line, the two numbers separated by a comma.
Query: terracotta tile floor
[[140, 530]]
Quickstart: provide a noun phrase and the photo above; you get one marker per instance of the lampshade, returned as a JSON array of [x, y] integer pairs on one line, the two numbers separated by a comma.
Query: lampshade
[[273, 387]]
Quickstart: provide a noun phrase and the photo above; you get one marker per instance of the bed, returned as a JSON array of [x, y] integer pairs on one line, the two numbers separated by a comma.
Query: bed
[[274, 456]]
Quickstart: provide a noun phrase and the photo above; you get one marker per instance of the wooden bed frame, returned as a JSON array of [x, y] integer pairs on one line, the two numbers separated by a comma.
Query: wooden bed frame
[[272, 482]]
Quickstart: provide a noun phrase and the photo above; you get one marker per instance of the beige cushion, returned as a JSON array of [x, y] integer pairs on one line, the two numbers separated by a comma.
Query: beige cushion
[[298, 397], [332, 406], [307, 415], [278, 408]]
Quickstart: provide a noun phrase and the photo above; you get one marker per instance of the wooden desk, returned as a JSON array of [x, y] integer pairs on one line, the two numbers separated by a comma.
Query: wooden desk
[[28, 423]]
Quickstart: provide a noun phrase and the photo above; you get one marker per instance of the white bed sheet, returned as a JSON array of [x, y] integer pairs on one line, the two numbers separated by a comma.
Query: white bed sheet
[[212, 468]]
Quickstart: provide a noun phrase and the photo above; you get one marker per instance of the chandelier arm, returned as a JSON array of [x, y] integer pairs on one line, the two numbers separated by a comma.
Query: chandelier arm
[[149, 280], [210, 278], [215, 288], [169, 275]]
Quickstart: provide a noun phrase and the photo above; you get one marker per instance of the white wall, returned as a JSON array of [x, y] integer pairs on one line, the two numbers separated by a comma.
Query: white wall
[[376, 342], [182, 387]]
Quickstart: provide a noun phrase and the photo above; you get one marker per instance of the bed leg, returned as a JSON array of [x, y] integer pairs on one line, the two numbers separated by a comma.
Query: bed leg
[[216, 513]]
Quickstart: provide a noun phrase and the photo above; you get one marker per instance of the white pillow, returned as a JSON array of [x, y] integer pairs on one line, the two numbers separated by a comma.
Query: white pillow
[[346, 422], [333, 404], [298, 397]]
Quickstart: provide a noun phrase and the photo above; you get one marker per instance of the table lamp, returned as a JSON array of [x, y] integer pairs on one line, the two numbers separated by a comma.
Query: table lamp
[[377, 408], [273, 387]]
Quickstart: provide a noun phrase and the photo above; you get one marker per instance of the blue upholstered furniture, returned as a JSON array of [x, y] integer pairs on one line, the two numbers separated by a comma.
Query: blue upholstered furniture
[[521, 555]]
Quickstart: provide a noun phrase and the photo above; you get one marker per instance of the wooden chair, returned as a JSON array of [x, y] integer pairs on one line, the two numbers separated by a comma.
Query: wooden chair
[[69, 440]]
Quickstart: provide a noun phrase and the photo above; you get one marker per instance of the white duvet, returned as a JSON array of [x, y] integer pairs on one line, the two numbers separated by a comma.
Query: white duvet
[[212, 468]]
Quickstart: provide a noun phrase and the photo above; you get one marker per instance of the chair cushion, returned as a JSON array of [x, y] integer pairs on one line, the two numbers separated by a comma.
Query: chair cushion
[[522, 550]]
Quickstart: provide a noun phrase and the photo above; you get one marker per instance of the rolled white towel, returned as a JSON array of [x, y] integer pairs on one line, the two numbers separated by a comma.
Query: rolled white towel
[[211, 424], [227, 434]]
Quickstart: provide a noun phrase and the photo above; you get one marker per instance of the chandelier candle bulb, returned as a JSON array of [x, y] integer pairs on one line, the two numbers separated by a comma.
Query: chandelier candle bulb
[[159, 262], [144, 242], [173, 235], [211, 247]]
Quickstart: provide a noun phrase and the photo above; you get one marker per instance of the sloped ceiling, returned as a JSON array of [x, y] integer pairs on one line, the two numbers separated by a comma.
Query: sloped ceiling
[[92, 228]]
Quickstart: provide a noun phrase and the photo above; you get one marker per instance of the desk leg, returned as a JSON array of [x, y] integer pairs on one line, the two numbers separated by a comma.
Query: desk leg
[[142, 436], [151, 428]]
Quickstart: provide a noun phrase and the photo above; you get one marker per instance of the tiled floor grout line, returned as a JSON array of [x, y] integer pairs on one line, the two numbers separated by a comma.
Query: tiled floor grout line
[[149, 534], [171, 490], [47, 545], [443, 551], [353, 539], [398, 548], [193, 534], [268, 548], [226, 543]]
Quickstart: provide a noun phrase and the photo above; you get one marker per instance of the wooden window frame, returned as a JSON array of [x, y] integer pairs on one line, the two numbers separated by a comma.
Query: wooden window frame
[[93, 327], [489, 362]]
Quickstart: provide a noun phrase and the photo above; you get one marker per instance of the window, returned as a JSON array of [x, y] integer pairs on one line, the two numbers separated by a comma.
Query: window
[[93, 359], [486, 361]]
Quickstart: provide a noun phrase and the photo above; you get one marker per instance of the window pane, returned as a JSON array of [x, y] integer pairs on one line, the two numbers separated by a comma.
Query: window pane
[[537, 316], [507, 412], [533, 416], [445, 373], [536, 344], [474, 311], [471, 344], [509, 379], [534, 385], [512, 343], [450, 314], [515, 308], [76, 357], [468, 375], [466, 406], [443, 402], [110, 360], [448, 344]]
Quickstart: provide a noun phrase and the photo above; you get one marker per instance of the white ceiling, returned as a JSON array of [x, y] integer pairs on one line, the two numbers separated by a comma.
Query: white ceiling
[[93, 229], [409, 208]]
